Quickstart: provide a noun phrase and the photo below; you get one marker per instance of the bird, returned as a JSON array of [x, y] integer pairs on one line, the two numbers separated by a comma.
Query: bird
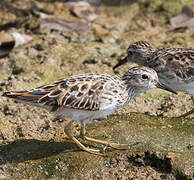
[[83, 98], [174, 66]]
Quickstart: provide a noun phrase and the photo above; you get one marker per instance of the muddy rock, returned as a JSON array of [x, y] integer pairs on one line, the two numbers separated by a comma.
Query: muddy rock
[[162, 152], [32, 142]]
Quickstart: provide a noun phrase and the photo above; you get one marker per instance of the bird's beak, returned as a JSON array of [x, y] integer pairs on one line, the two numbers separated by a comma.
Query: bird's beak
[[163, 86], [122, 61]]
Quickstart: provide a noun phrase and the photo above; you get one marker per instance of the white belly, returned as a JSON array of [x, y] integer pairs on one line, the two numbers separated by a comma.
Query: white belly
[[79, 115]]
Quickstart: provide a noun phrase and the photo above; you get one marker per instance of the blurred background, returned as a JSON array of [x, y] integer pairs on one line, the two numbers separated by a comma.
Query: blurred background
[[44, 40]]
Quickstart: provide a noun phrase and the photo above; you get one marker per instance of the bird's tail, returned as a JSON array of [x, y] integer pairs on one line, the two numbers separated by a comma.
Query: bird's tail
[[26, 96]]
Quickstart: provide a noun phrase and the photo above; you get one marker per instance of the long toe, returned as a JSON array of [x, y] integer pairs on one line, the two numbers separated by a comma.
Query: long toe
[[122, 146], [119, 146], [94, 151]]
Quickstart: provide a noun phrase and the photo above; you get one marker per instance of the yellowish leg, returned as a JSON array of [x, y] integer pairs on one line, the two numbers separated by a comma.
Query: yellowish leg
[[79, 144], [106, 143], [190, 112]]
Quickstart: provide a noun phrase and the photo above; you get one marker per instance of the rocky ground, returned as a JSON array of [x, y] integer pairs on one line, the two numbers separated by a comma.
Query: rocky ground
[[33, 146]]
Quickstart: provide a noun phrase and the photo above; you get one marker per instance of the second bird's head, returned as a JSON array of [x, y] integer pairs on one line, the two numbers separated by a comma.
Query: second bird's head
[[137, 52]]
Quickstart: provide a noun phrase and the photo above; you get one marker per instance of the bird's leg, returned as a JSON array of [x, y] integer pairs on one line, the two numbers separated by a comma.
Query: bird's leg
[[106, 143], [191, 111], [79, 144]]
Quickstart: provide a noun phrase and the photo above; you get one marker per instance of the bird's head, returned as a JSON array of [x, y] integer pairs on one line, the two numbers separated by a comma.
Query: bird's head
[[139, 79], [137, 52]]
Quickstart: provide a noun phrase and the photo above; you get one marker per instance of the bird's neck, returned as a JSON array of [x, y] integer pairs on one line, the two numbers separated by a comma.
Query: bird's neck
[[131, 93], [142, 58], [131, 90]]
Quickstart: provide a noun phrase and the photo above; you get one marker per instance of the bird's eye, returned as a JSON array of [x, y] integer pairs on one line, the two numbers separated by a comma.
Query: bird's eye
[[130, 53], [144, 76]]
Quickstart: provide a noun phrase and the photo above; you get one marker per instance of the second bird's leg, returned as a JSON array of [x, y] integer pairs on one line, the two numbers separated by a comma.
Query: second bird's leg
[[79, 144], [191, 111], [98, 141]]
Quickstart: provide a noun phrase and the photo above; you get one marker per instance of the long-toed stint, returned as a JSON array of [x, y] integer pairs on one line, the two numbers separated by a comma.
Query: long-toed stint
[[174, 66], [90, 96]]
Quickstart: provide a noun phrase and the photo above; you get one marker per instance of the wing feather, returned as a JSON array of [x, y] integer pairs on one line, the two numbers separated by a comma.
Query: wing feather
[[79, 92]]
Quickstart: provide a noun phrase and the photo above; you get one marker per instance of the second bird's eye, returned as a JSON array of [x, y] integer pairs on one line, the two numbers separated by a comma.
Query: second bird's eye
[[144, 76], [130, 53]]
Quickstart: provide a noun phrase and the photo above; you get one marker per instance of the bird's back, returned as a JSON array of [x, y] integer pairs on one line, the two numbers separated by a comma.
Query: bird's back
[[85, 92], [175, 67]]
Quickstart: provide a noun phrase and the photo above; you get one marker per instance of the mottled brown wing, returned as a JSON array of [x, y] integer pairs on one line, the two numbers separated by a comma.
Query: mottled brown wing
[[33, 96], [77, 93], [80, 92], [178, 60]]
